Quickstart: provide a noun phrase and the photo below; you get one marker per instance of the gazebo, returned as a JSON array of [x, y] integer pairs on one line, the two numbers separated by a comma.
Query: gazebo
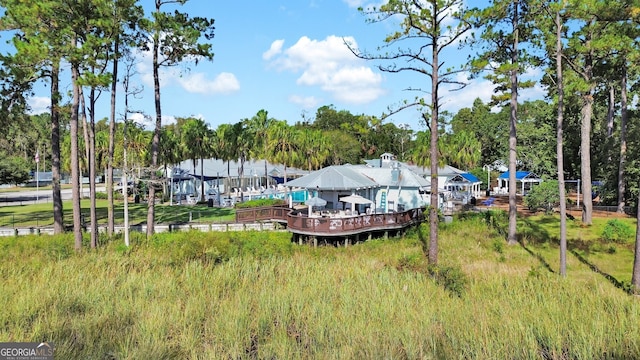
[[526, 179], [332, 182], [466, 182]]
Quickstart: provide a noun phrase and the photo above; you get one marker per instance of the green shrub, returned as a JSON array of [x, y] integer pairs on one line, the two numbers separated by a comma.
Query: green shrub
[[411, 262], [260, 203], [544, 196], [595, 247], [103, 196], [451, 278], [498, 246], [617, 231], [497, 220]]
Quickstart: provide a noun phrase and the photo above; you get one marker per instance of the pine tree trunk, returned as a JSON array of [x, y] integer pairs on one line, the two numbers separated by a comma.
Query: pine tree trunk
[[92, 170], [90, 163], [58, 218], [513, 120], [586, 114], [623, 140], [611, 108], [559, 148], [585, 157], [635, 278], [433, 209], [112, 136], [155, 143], [75, 169]]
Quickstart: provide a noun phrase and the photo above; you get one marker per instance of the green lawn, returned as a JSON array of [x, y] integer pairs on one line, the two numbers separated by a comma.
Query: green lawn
[[22, 188], [585, 244], [42, 214]]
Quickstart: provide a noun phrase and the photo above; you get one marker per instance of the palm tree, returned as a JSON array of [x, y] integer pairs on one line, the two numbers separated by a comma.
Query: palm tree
[[421, 154], [243, 147], [225, 141], [170, 150], [138, 142], [102, 150], [461, 149], [258, 126], [196, 142], [314, 146], [282, 145]]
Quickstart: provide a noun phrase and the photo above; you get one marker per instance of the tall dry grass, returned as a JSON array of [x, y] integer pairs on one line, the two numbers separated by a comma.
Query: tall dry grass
[[256, 295]]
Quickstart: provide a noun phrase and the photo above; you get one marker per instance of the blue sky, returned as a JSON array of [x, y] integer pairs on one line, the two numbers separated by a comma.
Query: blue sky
[[287, 57]]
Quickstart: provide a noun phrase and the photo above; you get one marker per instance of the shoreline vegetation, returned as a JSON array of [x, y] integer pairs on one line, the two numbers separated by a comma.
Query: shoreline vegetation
[[257, 295]]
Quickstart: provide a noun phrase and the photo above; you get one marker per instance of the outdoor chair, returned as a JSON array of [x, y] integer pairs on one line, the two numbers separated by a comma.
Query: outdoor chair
[[489, 201]]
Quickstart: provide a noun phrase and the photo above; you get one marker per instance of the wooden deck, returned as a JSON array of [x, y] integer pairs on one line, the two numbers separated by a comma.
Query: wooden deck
[[300, 224], [267, 213]]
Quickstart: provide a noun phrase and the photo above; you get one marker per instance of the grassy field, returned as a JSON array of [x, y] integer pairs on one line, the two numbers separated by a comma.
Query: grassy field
[[11, 189], [42, 215], [257, 295]]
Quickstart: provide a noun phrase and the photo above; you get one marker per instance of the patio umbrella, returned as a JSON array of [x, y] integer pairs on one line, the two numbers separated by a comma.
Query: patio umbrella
[[355, 199], [315, 201]]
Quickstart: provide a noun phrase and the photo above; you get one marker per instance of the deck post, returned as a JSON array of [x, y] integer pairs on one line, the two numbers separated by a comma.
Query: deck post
[[315, 241]]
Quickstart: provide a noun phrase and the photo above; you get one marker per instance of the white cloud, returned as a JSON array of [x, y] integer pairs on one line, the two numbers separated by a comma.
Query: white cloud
[[355, 85], [330, 65], [143, 120], [453, 101], [39, 104], [484, 89], [168, 119], [197, 83], [275, 49], [536, 92], [533, 72], [307, 102], [149, 121]]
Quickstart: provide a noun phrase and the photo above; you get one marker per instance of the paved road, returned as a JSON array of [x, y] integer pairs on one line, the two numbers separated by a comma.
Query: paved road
[[33, 196]]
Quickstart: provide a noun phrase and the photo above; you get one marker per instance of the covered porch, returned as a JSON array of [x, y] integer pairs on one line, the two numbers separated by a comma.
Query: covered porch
[[526, 179]]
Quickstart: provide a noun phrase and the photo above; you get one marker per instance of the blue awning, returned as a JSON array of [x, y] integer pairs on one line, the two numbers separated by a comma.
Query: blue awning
[[520, 175], [469, 176], [197, 177], [464, 178]]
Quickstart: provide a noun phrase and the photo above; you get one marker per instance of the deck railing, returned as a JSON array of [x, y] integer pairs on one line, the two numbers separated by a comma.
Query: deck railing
[[300, 223], [266, 213]]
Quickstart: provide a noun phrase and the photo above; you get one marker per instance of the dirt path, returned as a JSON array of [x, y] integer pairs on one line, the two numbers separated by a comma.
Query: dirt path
[[502, 202]]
